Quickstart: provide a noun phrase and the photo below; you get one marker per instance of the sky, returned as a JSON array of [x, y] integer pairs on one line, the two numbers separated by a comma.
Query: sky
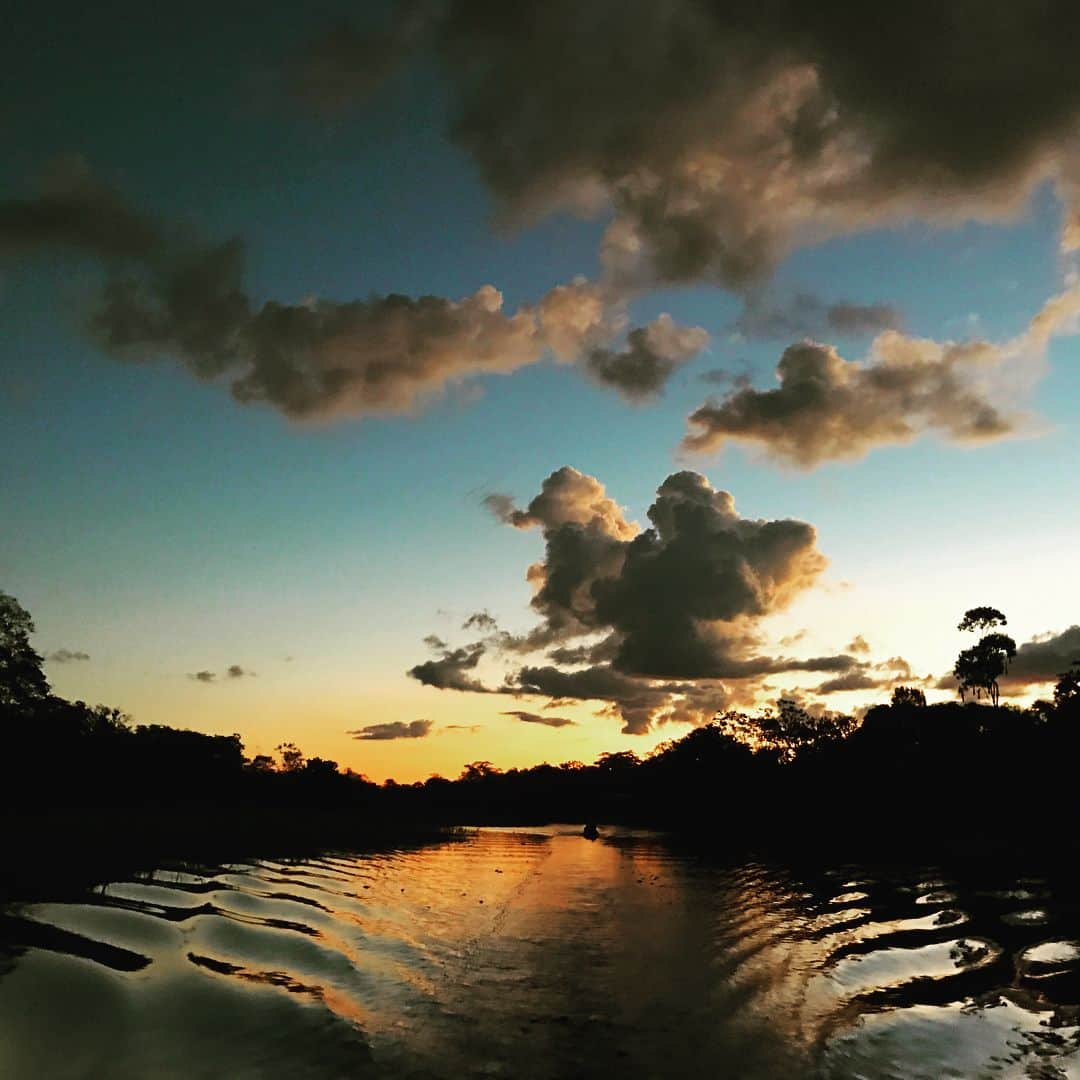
[[426, 383]]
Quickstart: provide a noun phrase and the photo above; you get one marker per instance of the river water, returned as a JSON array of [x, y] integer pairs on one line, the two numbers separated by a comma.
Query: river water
[[539, 953]]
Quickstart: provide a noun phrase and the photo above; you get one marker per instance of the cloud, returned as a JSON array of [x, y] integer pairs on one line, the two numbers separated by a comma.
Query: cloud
[[647, 621], [855, 680], [721, 136], [848, 318], [398, 729], [858, 644], [827, 408], [540, 718], [806, 315], [1044, 658], [316, 360], [638, 703], [77, 212], [66, 656], [170, 294], [451, 670], [897, 665], [233, 671], [480, 620], [471, 729], [651, 355]]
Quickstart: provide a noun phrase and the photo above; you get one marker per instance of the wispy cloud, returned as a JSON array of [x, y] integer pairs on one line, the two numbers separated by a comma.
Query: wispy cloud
[[67, 656]]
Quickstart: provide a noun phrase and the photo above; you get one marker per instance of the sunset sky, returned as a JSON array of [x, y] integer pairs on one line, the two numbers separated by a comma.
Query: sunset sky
[[321, 327]]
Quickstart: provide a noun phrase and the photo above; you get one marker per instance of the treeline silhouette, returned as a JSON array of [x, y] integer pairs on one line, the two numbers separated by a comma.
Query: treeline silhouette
[[963, 777]]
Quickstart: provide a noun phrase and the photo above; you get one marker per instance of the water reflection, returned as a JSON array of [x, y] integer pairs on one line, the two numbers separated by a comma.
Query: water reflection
[[544, 954]]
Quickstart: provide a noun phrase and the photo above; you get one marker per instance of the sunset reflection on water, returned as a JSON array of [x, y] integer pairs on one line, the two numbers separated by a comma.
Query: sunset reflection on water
[[538, 953]]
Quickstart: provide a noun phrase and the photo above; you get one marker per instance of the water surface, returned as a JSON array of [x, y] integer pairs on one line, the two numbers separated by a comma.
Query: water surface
[[542, 954]]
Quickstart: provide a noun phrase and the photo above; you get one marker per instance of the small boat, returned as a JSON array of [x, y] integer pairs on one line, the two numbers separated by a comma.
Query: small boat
[[590, 832]]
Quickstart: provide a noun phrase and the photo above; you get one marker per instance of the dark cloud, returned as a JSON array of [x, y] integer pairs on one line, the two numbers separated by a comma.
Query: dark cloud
[[638, 703], [540, 718], [77, 212], [169, 294], [203, 676], [235, 671], [590, 653], [472, 729], [321, 359], [649, 621], [724, 134], [689, 586], [806, 315], [855, 680], [858, 644], [452, 669], [66, 656], [398, 729], [641, 369], [1044, 658], [828, 408], [482, 621]]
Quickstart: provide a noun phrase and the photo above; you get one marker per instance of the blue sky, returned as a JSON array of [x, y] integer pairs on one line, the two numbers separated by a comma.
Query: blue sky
[[163, 528]]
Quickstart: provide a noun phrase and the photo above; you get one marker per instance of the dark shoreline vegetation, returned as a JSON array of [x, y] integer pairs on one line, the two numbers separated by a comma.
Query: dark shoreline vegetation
[[89, 791]]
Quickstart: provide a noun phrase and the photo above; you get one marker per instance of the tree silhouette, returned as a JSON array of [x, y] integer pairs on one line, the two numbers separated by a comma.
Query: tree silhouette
[[908, 695], [22, 682], [479, 770], [788, 729], [1067, 691], [981, 618], [618, 761], [292, 758], [978, 668]]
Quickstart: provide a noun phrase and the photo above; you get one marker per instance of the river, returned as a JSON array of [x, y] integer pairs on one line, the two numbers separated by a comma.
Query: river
[[539, 953]]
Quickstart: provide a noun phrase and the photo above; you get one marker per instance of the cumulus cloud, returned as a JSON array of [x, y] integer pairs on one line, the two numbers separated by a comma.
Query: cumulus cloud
[[827, 408], [1044, 658], [203, 676], [452, 669], [723, 135], [169, 294], [398, 729], [654, 624], [641, 369], [540, 718], [235, 671], [67, 656], [858, 644]]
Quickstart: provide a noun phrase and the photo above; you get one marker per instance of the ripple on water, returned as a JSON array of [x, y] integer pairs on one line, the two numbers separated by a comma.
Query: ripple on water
[[543, 955]]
